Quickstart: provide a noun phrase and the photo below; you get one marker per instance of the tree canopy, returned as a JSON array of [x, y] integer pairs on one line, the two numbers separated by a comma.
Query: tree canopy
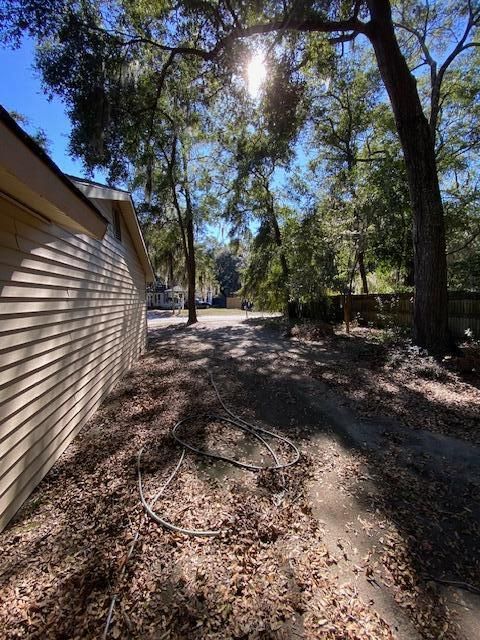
[[355, 167]]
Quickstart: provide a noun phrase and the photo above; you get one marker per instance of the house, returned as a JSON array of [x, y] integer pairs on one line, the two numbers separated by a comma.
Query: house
[[73, 275], [161, 297]]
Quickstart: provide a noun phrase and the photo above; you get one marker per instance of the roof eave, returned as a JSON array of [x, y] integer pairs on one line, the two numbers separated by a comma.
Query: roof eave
[[131, 220], [103, 192], [30, 176]]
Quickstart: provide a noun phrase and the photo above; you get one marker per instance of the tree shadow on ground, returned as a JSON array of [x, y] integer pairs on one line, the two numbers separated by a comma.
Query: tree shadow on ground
[[67, 545], [63, 545], [420, 484]]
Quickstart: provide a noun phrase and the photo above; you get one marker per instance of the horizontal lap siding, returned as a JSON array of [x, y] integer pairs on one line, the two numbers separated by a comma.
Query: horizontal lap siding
[[72, 321]]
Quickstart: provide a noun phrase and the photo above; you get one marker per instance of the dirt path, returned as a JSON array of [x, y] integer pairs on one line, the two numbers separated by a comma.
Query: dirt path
[[275, 373], [346, 549]]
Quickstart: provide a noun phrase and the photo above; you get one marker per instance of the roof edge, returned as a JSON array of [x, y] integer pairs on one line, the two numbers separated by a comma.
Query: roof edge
[[94, 183], [149, 268], [134, 228], [35, 148]]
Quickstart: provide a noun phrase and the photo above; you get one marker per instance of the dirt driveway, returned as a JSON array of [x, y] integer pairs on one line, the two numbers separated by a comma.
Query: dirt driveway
[[352, 542]]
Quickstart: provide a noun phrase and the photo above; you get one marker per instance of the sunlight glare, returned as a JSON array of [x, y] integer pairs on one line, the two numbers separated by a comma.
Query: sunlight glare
[[257, 73]]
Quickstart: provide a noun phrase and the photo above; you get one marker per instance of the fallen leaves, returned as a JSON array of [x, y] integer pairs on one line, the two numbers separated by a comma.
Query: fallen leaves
[[403, 382], [270, 575]]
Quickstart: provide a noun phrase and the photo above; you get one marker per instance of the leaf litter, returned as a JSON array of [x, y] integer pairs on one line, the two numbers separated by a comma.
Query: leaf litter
[[271, 574]]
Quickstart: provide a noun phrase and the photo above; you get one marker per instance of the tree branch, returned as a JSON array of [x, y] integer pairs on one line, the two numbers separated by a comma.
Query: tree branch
[[423, 45], [465, 245], [347, 37], [311, 24], [461, 46], [235, 19]]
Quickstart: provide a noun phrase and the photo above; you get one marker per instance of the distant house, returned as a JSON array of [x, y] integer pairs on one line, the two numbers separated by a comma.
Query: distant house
[[162, 297], [72, 307]]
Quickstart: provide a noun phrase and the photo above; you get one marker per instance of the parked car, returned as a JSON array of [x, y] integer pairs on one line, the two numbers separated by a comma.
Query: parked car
[[202, 304], [199, 304]]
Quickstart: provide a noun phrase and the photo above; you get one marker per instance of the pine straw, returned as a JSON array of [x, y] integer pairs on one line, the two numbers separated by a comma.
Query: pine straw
[[270, 575]]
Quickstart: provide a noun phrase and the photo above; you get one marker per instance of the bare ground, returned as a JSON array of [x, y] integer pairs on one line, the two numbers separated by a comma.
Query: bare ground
[[384, 501]]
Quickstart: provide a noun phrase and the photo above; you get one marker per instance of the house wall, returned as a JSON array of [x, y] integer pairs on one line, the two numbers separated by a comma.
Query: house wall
[[72, 321]]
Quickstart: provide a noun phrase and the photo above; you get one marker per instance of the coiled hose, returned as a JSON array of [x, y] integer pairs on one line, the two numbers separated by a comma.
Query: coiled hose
[[231, 418], [236, 421]]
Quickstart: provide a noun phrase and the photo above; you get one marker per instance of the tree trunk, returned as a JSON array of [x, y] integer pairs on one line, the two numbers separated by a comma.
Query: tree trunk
[[347, 307], [190, 242], [171, 281], [191, 271], [347, 310], [186, 231], [430, 316], [410, 273], [283, 260], [363, 273]]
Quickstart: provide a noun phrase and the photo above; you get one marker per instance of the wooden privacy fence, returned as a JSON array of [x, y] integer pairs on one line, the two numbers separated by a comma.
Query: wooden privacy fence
[[233, 302], [395, 309]]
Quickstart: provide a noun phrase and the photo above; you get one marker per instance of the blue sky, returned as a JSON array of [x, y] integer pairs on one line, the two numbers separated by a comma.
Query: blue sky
[[21, 91]]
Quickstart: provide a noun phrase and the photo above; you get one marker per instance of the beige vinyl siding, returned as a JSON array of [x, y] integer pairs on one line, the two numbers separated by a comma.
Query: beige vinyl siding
[[72, 321]]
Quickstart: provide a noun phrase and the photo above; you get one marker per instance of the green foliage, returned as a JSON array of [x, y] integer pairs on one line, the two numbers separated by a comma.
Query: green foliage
[[263, 278], [165, 249], [285, 107], [206, 274], [227, 270], [164, 245], [311, 255], [312, 166], [37, 134]]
